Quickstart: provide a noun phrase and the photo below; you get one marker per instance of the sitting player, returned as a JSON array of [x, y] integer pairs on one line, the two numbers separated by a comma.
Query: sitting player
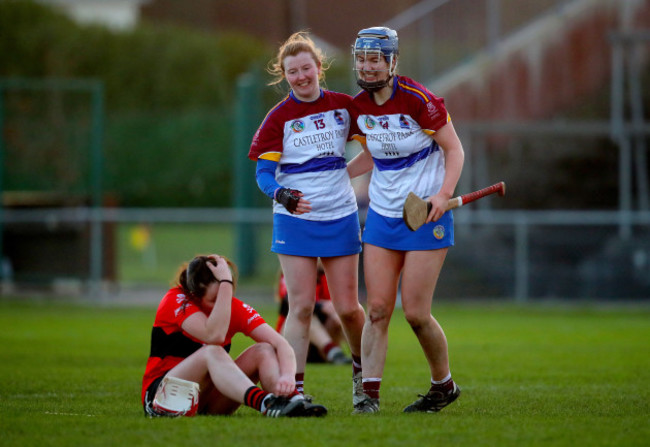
[[325, 331], [189, 369]]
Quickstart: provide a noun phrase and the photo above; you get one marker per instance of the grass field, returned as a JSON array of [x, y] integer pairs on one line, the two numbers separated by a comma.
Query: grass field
[[544, 375]]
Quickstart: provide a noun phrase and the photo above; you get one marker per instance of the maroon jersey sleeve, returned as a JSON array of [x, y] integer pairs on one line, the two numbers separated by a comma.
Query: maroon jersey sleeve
[[431, 112], [270, 134]]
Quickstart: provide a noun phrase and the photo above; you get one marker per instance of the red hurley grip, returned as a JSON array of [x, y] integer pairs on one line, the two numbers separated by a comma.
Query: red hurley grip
[[472, 196]]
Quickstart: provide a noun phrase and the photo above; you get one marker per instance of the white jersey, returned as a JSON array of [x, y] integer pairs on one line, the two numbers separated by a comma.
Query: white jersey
[[398, 135], [308, 141]]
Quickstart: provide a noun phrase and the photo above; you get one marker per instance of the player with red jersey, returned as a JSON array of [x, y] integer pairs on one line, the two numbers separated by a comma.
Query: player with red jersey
[[190, 343], [411, 146]]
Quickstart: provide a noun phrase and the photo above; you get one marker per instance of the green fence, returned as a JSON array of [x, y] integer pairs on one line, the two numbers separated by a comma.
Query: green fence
[[51, 155], [58, 150]]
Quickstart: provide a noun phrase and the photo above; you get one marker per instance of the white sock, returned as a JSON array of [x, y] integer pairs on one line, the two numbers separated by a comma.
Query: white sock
[[438, 382]]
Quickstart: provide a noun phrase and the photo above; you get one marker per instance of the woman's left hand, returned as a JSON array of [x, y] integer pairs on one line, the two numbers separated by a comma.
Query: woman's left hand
[[220, 271], [285, 385]]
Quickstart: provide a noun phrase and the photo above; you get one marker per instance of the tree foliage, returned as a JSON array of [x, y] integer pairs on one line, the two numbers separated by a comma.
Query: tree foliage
[[148, 67]]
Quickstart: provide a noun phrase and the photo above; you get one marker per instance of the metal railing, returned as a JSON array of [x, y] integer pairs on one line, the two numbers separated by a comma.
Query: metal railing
[[521, 222]]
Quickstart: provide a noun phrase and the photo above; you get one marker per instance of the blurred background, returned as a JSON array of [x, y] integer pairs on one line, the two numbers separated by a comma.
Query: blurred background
[[126, 126]]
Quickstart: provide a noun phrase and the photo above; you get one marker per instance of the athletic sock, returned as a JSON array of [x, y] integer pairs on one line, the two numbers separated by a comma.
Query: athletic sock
[[446, 385], [295, 394], [300, 382], [356, 364], [371, 387], [254, 397]]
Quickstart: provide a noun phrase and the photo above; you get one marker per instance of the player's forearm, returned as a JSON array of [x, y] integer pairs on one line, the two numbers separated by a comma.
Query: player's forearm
[[265, 176], [454, 161], [286, 358], [360, 164], [448, 140], [218, 322]]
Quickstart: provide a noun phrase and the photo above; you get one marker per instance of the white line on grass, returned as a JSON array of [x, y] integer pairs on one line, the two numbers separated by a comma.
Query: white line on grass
[[68, 414]]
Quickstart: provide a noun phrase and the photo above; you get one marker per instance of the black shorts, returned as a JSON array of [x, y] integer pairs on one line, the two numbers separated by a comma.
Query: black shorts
[[149, 396]]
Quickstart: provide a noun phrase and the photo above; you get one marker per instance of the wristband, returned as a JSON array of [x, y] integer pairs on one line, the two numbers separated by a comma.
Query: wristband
[[289, 198], [226, 280]]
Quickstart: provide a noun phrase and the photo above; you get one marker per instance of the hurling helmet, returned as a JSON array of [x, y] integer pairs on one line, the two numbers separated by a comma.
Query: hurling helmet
[[378, 39]]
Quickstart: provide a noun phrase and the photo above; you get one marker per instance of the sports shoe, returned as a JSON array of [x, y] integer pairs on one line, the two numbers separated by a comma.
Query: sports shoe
[[367, 405], [433, 401], [280, 406], [357, 389], [312, 410]]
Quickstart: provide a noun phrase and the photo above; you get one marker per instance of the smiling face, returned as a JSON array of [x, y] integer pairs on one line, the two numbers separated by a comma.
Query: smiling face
[[302, 73], [371, 66]]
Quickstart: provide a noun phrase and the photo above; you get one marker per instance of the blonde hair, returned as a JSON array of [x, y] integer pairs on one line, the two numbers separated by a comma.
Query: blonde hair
[[296, 43]]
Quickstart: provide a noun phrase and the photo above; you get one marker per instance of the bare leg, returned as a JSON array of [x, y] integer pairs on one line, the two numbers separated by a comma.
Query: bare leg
[[260, 364], [300, 276], [382, 269], [222, 383], [318, 335], [421, 272], [333, 324], [343, 280]]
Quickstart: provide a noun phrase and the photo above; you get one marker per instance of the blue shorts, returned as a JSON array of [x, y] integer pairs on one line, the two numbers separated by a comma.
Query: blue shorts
[[392, 233], [300, 237]]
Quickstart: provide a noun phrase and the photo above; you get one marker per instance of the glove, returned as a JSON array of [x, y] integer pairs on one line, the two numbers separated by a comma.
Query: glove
[[288, 198]]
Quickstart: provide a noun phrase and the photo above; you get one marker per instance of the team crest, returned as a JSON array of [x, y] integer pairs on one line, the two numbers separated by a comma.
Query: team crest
[[298, 126], [404, 123], [338, 117], [439, 232], [370, 123], [434, 112]]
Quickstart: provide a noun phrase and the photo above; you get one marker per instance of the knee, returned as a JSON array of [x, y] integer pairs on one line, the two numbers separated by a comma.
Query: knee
[[417, 320], [215, 352], [379, 315], [263, 350], [301, 312], [348, 314]]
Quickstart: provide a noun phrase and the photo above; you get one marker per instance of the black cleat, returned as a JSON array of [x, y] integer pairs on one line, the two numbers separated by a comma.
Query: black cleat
[[433, 401], [312, 410], [279, 406]]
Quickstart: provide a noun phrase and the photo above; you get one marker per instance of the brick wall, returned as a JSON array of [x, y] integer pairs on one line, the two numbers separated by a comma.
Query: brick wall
[[546, 68]]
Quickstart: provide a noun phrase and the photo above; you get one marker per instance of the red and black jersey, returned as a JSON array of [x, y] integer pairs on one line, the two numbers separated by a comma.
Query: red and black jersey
[[170, 345]]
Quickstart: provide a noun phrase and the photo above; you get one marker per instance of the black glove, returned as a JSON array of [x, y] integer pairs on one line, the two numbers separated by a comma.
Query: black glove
[[289, 198]]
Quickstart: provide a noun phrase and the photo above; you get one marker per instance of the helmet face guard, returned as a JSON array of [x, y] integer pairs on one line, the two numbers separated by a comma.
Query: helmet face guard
[[374, 42]]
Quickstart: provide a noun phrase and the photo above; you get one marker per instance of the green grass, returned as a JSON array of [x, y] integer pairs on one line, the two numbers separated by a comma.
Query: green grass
[[536, 375]]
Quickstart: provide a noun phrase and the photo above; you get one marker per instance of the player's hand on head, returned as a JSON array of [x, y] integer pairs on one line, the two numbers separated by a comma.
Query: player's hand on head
[[220, 271]]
